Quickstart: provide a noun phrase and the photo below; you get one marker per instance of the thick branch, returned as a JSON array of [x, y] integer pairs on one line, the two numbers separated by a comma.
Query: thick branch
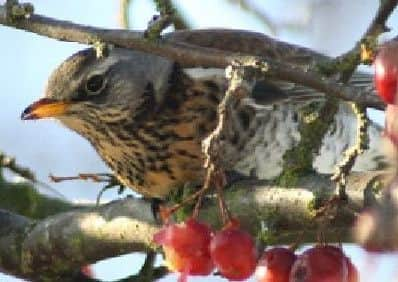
[[68, 240], [207, 54]]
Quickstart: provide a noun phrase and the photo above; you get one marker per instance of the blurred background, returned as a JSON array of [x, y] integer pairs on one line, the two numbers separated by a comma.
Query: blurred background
[[330, 26]]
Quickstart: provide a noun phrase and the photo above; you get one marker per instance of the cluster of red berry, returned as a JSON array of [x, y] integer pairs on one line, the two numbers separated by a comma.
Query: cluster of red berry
[[192, 248], [320, 263]]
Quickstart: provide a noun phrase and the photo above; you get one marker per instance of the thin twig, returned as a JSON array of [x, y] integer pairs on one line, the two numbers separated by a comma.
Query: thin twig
[[108, 178], [96, 177], [351, 154], [349, 61], [198, 205], [241, 77], [197, 195]]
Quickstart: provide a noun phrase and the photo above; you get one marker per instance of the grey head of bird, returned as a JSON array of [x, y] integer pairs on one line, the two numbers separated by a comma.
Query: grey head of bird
[[86, 91]]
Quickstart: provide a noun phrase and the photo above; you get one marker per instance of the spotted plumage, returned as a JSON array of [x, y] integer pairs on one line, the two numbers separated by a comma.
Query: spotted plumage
[[146, 117]]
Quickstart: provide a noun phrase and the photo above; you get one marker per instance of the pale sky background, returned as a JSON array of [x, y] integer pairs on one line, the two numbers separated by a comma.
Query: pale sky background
[[27, 60]]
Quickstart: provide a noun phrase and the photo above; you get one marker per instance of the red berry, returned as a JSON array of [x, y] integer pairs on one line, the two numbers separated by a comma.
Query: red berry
[[323, 263], [233, 253], [186, 247], [275, 265], [386, 72]]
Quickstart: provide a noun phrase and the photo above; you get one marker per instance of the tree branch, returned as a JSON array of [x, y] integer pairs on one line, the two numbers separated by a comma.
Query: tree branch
[[68, 240], [350, 60], [213, 55]]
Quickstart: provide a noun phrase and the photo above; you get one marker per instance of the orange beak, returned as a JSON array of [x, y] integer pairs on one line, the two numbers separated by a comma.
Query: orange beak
[[44, 108]]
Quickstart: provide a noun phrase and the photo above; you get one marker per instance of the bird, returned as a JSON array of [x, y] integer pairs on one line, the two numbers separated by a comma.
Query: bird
[[146, 116]]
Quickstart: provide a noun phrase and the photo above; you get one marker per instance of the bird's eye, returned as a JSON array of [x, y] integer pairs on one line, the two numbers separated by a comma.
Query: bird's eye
[[95, 84]]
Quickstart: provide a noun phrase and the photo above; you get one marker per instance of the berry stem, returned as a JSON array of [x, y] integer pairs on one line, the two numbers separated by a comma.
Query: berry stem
[[197, 195]]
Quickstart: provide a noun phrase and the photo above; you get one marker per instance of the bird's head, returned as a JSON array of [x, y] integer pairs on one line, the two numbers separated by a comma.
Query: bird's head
[[85, 90]]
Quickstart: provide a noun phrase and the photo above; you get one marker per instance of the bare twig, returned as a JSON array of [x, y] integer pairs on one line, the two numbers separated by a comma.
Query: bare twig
[[108, 178], [349, 61], [96, 177], [351, 154], [192, 55], [195, 196]]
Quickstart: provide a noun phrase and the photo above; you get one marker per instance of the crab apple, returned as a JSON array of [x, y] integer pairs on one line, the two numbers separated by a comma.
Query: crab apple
[[386, 72], [274, 265], [323, 263], [186, 247], [234, 253]]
